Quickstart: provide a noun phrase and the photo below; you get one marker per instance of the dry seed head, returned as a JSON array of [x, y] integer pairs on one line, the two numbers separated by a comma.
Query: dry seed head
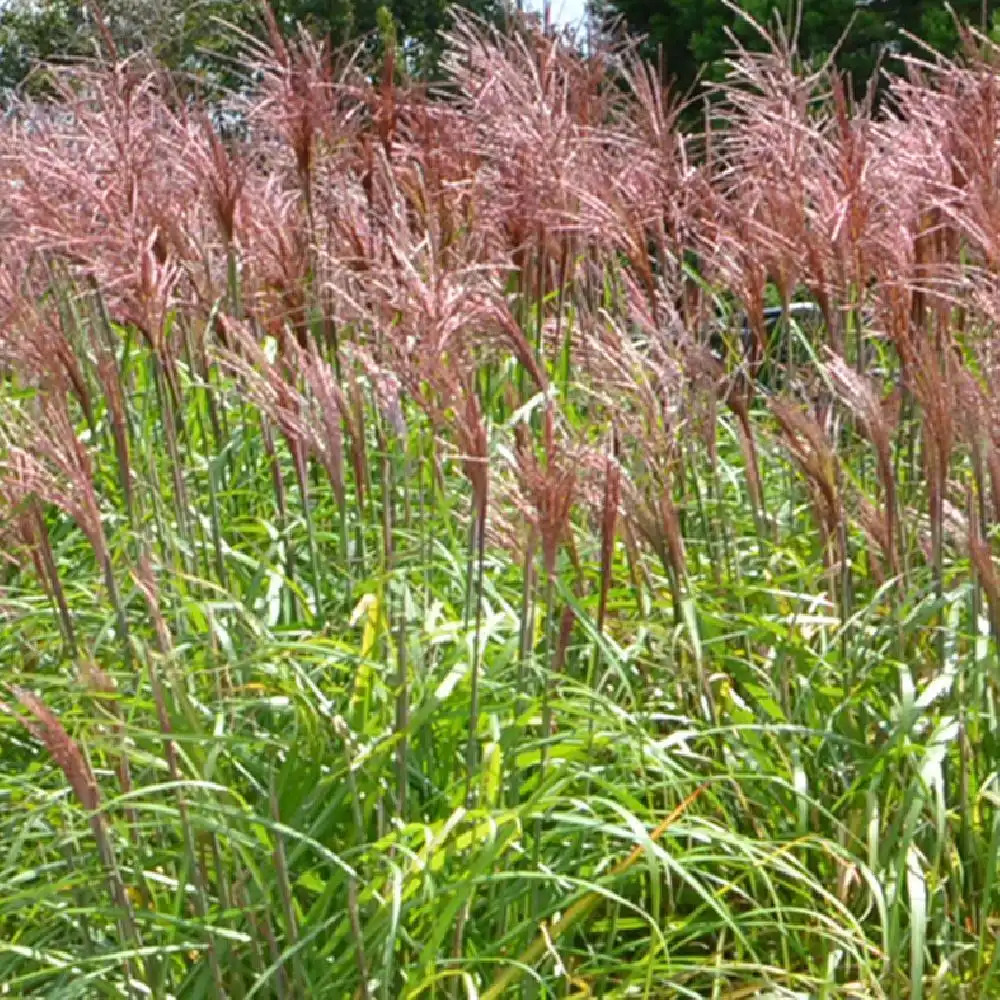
[[470, 427], [875, 525], [878, 422], [811, 451], [861, 397], [45, 726], [145, 580], [547, 492], [218, 170], [333, 412], [985, 566], [52, 464]]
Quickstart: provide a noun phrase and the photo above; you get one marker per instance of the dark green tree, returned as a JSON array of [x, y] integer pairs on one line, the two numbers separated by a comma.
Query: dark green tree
[[197, 37], [194, 37], [688, 36], [418, 23]]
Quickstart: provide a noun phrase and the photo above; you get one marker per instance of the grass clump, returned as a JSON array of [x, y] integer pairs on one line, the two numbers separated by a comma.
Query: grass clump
[[403, 599]]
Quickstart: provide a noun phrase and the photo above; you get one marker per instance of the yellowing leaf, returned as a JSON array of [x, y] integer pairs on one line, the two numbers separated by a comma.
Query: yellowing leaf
[[368, 609], [492, 774]]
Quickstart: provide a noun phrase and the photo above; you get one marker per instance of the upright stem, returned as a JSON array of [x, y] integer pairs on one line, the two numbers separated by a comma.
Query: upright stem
[[546, 730]]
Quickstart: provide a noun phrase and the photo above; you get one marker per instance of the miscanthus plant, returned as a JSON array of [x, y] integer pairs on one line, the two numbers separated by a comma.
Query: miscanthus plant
[[413, 585]]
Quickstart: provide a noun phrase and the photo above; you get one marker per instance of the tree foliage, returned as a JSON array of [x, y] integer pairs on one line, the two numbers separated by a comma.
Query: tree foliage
[[197, 37], [192, 36], [684, 36]]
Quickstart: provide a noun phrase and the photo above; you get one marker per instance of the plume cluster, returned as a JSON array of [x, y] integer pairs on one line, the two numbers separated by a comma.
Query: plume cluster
[[527, 281]]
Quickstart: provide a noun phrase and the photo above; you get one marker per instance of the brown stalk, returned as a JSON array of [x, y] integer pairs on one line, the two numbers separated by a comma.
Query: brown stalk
[[932, 380], [145, 581], [985, 569], [56, 467], [103, 688], [25, 532], [609, 519], [739, 404], [109, 376], [44, 726]]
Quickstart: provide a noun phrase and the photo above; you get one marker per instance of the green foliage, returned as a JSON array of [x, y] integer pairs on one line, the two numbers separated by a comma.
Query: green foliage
[[195, 37], [688, 35], [678, 832]]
